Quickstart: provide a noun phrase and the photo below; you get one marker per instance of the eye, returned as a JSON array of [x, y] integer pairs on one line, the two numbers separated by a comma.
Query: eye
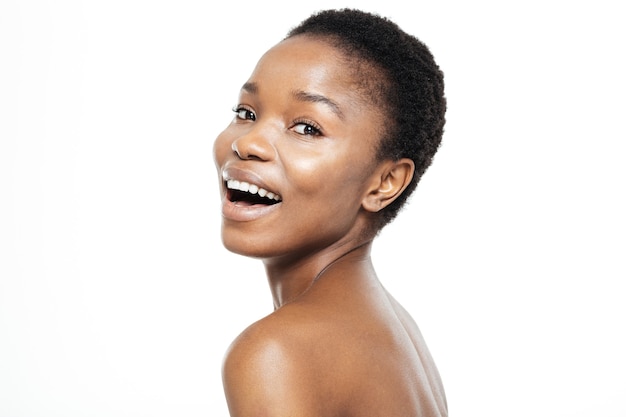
[[307, 128], [243, 113]]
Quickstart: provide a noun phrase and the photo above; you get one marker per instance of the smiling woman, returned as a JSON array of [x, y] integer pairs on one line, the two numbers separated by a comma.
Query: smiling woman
[[333, 129]]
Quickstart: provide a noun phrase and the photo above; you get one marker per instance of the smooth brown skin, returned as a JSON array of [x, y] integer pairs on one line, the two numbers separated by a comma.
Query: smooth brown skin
[[337, 344]]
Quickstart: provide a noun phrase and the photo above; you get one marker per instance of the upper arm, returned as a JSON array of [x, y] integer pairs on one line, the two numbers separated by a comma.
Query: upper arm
[[265, 376]]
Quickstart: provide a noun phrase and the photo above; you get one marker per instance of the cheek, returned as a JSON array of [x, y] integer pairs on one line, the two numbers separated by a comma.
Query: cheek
[[221, 146], [330, 177]]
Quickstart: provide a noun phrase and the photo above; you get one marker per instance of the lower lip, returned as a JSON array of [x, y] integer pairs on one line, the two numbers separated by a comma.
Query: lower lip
[[246, 213]]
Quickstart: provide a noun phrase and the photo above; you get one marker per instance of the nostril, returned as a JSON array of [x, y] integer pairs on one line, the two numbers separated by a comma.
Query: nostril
[[244, 153], [249, 147], [236, 149]]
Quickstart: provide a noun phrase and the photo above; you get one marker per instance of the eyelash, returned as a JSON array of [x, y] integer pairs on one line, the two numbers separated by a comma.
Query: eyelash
[[250, 115], [313, 128]]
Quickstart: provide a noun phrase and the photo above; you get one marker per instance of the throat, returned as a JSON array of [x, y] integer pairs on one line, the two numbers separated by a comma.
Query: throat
[[353, 261]]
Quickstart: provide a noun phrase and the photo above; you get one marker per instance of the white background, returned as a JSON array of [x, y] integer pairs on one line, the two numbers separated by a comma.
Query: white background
[[117, 298]]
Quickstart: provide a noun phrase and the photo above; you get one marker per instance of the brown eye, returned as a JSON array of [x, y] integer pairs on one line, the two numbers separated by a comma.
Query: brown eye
[[306, 129], [244, 113]]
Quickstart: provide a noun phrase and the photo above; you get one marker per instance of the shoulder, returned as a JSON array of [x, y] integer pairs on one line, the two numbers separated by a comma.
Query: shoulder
[[270, 370]]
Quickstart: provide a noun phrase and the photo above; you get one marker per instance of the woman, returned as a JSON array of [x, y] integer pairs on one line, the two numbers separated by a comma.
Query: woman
[[332, 131]]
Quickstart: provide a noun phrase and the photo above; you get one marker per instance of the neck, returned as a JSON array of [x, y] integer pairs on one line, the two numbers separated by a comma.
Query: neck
[[290, 280]]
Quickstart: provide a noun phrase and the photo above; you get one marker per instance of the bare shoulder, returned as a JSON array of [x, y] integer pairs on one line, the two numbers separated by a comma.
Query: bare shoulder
[[312, 360], [268, 370]]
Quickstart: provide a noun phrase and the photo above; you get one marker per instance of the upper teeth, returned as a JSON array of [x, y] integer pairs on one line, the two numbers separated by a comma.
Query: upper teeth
[[252, 189]]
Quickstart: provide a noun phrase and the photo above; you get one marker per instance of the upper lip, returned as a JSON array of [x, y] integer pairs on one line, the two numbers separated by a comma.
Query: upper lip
[[244, 175]]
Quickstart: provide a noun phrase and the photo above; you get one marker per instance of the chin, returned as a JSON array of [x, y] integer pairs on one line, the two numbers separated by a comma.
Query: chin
[[244, 246]]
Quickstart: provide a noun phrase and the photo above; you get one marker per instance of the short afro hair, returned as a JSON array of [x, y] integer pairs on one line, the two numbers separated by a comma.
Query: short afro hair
[[411, 89]]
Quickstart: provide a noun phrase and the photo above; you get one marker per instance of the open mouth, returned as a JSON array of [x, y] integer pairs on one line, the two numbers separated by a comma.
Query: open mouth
[[250, 194]]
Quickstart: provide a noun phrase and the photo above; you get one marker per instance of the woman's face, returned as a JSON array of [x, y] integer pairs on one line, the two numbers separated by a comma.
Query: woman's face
[[304, 136]]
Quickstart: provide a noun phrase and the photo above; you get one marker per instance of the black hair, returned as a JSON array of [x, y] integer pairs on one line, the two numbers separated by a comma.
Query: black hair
[[410, 91]]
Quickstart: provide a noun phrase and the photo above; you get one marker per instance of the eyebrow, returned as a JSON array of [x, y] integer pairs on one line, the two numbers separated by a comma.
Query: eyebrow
[[253, 88], [318, 98]]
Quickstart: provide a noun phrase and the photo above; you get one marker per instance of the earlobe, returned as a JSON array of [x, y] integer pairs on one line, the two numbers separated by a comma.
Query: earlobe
[[389, 182]]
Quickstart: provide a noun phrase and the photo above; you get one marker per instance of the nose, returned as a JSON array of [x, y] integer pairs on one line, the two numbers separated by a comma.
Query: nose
[[253, 145]]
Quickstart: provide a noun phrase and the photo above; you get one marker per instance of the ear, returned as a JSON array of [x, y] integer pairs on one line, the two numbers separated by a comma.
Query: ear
[[388, 182]]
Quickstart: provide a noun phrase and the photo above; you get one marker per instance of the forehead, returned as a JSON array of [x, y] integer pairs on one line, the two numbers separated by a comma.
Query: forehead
[[305, 50], [313, 64]]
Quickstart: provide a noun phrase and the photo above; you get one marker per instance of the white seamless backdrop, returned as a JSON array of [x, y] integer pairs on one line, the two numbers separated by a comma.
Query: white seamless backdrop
[[117, 298]]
